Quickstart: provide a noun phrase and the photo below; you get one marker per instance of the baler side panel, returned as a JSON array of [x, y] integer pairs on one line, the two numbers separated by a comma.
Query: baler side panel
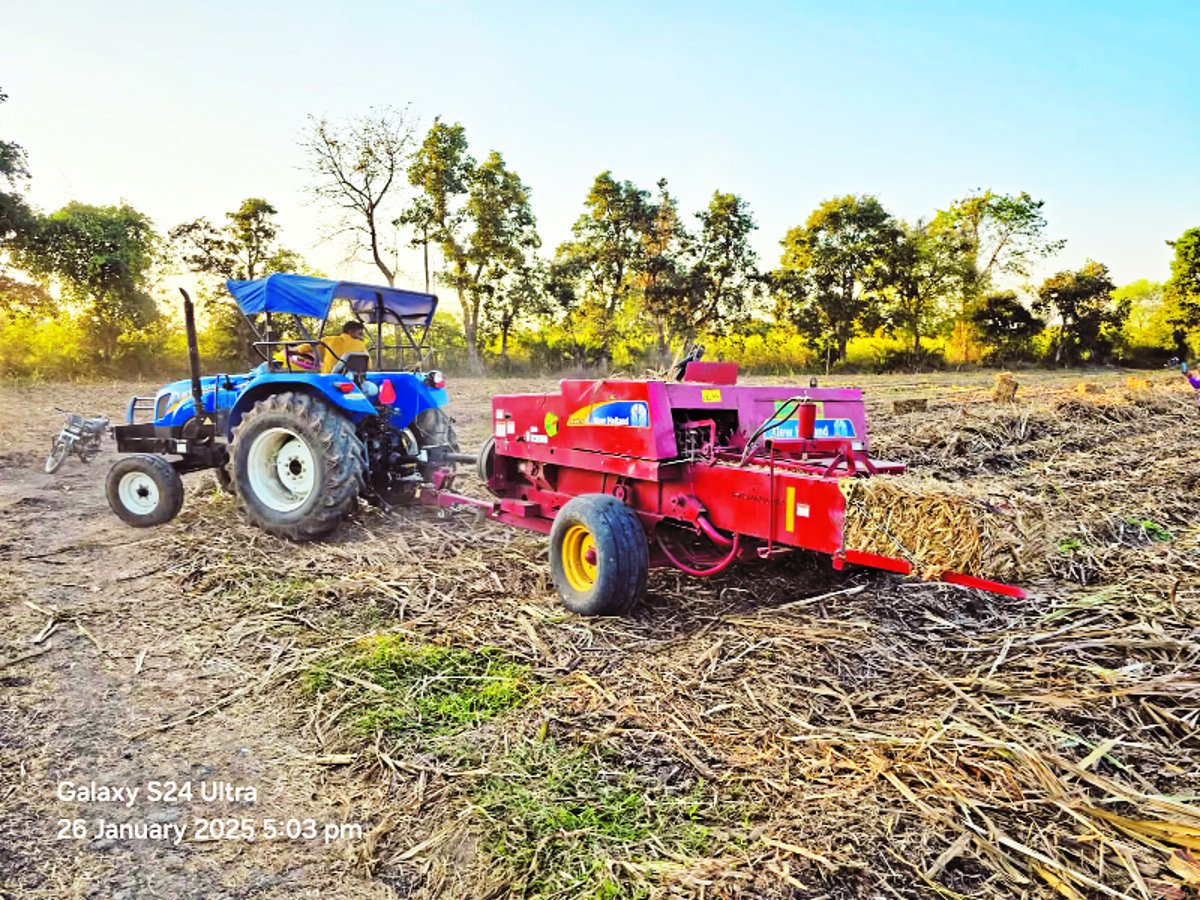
[[803, 511]]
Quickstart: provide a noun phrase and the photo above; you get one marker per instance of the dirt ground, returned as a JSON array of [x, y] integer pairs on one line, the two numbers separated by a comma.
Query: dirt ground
[[179, 654]]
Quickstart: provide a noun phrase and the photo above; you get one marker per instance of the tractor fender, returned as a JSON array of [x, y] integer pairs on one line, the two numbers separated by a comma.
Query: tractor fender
[[413, 395], [353, 405]]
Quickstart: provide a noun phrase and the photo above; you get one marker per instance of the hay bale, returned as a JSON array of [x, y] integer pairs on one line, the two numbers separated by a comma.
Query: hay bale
[[942, 528], [1089, 387], [916, 404], [1005, 389]]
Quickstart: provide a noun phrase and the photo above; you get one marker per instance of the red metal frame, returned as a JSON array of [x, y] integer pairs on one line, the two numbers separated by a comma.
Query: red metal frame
[[690, 454]]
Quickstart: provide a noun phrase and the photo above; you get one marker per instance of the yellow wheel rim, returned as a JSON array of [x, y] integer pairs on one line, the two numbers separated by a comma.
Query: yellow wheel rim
[[579, 558]]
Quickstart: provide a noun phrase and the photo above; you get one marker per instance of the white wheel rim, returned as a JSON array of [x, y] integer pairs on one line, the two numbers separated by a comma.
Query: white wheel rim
[[138, 493], [281, 469]]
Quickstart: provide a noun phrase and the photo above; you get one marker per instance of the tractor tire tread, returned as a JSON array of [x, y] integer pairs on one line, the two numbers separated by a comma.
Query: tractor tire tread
[[166, 478], [345, 458]]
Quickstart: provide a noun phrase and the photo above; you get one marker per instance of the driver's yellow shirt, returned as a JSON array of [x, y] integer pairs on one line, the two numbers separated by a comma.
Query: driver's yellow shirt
[[341, 344]]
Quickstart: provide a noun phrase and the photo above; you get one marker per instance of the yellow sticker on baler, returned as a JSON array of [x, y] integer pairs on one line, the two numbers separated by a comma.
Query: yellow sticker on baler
[[711, 395]]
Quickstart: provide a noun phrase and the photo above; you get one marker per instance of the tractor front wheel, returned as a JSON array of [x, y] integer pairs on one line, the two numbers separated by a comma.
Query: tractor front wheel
[[298, 466], [599, 558], [144, 490]]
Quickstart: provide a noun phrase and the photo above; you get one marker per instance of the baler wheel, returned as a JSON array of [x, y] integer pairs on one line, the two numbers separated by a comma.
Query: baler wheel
[[599, 558], [485, 465], [144, 490]]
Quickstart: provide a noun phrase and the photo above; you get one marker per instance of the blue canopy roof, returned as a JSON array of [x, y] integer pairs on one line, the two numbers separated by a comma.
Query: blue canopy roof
[[304, 295]]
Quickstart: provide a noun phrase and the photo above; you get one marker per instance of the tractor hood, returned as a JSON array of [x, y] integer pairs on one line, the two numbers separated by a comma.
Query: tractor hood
[[305, 295]]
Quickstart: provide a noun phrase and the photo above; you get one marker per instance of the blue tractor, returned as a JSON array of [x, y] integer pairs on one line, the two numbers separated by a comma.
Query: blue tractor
[[298, 446]]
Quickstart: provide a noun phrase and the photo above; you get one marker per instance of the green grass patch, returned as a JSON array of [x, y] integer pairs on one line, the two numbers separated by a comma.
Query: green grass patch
[[400, 687], [558, 823], [1152, 529]]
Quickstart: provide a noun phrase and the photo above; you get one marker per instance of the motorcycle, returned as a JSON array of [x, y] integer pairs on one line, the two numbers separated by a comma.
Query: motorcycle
[[78, 435]]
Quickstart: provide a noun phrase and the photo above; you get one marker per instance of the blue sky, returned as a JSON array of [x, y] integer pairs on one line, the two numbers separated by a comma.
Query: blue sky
[[185, 108]]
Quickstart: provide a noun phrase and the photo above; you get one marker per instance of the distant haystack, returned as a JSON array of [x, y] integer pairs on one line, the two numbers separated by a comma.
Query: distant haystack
[[1005, 389]]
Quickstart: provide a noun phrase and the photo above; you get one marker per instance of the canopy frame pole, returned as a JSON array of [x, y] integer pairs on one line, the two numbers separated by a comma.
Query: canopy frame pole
[[378, 332], [413, 341]]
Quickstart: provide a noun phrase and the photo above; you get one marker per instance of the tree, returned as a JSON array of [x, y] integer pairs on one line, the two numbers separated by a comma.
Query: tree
[[418, 215], [1148, 325], [15, 215], [1182, 292], [724, 274], [442, 170], [833, 271], [18, 224], [1090, 319], [102, 256], [563, 275], [1006, 325], [663, 277], [925, 267], [245, 247], [520, 295], [1004, 234], [503, 232], [13, 162], [607, 253], [359, 166]]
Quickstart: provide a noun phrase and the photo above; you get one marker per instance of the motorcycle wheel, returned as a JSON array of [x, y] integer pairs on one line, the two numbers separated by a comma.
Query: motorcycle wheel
[[90, 450], [57, 454]]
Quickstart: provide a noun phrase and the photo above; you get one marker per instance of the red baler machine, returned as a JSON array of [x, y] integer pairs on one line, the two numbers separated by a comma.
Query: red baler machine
[[625, 475]]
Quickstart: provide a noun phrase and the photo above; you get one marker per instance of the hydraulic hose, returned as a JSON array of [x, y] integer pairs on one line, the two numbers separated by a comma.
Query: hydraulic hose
[[734, 544]]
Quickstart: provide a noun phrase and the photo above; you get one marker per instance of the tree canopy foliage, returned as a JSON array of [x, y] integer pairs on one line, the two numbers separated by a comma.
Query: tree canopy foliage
[[102, 256], [1182, 294], [637, 281], [834, 270], [1089, 318]]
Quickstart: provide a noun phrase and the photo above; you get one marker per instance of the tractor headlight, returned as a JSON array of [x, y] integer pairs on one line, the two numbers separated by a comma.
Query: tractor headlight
[[436, 380], [164, 402]]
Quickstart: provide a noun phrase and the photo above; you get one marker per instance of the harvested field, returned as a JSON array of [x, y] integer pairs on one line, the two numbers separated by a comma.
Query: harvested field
[[781, 730]]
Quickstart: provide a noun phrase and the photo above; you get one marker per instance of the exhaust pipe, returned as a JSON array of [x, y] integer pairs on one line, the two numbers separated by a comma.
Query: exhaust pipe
[[189, 324]]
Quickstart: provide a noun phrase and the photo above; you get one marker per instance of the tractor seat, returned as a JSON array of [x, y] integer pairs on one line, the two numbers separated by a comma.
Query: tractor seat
[[353, 364]]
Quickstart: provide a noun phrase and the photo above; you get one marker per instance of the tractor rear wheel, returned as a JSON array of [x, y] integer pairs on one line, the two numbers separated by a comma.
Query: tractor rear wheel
[[144, 490], [434, 430], [599, 556], [298, 466]]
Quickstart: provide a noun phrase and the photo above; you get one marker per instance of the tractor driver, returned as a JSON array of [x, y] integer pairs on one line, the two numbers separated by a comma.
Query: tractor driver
[[351, 340]]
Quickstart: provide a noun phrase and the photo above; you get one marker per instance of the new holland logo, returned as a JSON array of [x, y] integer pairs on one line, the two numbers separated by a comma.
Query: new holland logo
[[629, 413]]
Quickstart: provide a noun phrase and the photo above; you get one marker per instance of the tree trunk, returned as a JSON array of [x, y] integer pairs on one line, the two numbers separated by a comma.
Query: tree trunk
[[382, 266], [660, 342], [471, 333], [425, 249]]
